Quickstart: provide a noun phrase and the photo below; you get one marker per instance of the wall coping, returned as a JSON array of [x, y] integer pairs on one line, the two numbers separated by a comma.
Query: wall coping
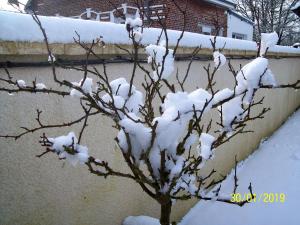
[[33, 52]]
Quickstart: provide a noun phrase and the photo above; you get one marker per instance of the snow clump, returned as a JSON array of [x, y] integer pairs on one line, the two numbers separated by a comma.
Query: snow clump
[[53, 58], [222, 95], [139, 134], [206, 141], [135, 26], [121, 98], [40, 86], [268, 40], [134, 23], [86, 87], [163, 61], [252, 75], [186, 183], [231, 111], [21, 83], [67, 147], [219, 59]]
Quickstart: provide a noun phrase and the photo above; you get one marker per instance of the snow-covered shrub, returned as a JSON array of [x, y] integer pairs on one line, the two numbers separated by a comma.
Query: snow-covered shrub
[[165, 145]]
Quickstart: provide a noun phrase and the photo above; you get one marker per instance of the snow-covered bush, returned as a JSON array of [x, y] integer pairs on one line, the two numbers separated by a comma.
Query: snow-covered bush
[[160, 137]]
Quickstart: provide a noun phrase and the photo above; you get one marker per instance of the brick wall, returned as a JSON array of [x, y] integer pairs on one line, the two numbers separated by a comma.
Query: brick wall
[[75, 7], [198, 12]]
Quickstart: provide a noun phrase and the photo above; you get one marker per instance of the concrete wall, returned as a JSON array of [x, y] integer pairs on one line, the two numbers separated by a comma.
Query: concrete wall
[[46, 191]]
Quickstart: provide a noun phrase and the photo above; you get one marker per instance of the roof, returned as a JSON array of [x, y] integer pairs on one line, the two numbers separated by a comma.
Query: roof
[[296, 5], [243, 18], [296, 8], [29, 6], [229, 4]]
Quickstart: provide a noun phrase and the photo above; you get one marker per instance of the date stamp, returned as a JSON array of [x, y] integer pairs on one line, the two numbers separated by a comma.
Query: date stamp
[[262, 197]]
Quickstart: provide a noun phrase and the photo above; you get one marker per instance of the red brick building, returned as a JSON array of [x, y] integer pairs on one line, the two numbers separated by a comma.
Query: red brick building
[[203, 16]]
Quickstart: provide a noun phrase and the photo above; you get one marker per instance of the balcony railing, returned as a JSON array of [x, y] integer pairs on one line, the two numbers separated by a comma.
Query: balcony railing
[[154, 13]]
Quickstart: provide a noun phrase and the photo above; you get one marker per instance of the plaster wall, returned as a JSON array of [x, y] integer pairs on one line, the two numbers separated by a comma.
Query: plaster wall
[[47, 191]]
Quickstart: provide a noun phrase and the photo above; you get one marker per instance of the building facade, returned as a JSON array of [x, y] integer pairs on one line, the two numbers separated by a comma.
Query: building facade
[[209, 17], [239, 27]]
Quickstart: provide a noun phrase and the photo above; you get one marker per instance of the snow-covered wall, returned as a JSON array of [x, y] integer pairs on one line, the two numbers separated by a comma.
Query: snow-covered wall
[[238, 26], [62, 30], [47, 191]]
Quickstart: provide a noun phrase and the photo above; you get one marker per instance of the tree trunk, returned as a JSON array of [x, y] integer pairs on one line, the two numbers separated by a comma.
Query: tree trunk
[[165, 213]]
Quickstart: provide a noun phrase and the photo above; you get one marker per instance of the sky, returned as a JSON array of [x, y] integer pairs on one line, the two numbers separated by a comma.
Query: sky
[[5, 6]]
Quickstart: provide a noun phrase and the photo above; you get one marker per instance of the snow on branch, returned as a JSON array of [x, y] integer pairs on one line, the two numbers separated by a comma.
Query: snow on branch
[[159, 124], [67, 147]]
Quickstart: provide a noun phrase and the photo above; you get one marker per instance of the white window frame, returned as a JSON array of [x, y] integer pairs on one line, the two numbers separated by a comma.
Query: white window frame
[[206, 29]]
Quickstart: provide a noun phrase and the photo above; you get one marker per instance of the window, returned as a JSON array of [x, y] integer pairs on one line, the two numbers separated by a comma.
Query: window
[[221, 32], [210, 30], [239, 36], [206, 29]]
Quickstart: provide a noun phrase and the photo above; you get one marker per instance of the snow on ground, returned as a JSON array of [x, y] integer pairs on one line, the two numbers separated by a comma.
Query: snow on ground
[[140, 220], [21, 27], [273, 168]]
